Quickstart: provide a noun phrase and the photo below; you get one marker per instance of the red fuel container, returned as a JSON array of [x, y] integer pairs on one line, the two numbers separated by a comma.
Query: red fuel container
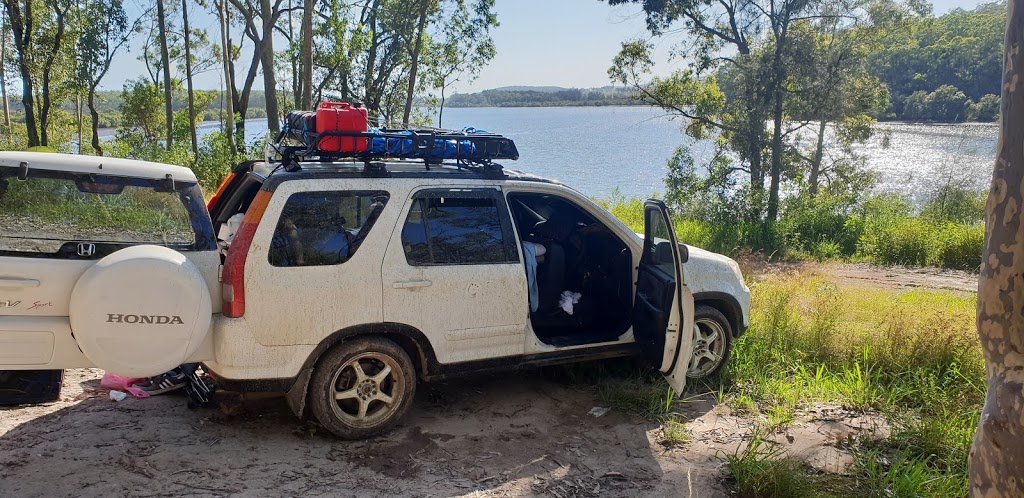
[[340, 116]]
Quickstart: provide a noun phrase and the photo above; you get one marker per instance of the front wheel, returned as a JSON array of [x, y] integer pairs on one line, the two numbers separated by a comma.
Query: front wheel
[[712, 339], [361, 387]]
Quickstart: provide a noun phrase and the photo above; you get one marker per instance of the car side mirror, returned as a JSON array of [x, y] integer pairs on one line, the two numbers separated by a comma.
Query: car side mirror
[[663, 252], [684, 253]]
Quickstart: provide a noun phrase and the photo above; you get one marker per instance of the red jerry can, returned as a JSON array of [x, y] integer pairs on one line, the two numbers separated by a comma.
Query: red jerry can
[[340, 116]]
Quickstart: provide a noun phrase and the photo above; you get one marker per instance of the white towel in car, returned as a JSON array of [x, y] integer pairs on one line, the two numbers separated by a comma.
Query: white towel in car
[[568, 299]]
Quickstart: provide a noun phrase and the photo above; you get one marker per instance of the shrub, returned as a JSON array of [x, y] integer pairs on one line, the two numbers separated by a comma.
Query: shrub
[[955, 203], [985, 110], [946, 103], [901, 242], [958, 246]]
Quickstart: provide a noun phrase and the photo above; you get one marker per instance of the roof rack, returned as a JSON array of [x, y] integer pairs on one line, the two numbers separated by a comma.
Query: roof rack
[[467, 149]]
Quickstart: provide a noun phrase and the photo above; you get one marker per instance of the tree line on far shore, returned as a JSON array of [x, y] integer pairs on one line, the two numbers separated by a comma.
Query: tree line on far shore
[[389, 55]]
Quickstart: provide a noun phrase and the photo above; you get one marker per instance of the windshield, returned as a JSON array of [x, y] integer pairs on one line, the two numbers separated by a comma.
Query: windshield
[[48, 209]]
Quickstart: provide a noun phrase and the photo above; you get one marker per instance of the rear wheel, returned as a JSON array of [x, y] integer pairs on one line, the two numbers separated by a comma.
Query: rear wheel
[[362, 387], [712, 339]]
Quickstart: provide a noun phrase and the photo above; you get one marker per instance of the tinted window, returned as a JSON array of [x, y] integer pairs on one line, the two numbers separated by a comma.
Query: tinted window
[[49, 209], [324, 228], [456, 231], [658, 243]]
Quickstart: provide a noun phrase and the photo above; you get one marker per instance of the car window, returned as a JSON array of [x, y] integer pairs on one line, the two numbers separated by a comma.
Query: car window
[[658, 246], [324, 228], [456, 230], [49, 211]]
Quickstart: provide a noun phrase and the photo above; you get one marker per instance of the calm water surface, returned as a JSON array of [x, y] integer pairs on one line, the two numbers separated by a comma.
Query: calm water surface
[[600, 149]]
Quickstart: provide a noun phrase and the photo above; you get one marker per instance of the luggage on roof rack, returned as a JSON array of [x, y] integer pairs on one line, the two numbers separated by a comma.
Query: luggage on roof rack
[[466, 148], [340, 116]]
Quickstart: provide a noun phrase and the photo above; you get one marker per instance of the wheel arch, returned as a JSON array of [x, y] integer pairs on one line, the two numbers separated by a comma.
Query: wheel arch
[[409, 338], [725, 304]]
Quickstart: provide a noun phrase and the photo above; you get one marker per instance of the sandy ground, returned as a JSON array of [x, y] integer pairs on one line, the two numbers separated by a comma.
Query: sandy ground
[[526, 434], [522, 435], [869, 275]]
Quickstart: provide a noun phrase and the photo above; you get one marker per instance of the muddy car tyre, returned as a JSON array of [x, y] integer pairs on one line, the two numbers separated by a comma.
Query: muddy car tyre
[[712, 342], [362, 387]]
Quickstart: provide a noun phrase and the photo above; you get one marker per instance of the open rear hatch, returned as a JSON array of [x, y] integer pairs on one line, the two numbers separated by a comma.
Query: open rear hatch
[[102, 258]]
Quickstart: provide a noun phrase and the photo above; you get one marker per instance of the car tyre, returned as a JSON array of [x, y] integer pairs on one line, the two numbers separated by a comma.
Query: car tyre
[[361, 387], [712, 342]]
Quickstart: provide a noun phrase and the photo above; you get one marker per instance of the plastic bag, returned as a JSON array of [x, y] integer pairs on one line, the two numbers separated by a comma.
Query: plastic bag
[[115, 382]]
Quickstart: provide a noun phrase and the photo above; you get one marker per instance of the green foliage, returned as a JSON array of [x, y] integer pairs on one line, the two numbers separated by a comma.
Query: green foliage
[[913, 356], [763, 471], [142, 109], [958, 246], [986, 109], [955, 203], [883, 229], [916, 52], [536, 98], [946, 103]]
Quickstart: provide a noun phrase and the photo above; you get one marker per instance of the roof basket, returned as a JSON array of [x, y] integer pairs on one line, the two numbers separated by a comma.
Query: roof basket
[[469, 148]]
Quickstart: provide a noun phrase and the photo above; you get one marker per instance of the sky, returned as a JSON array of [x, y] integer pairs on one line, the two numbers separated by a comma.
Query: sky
[[568, 43]]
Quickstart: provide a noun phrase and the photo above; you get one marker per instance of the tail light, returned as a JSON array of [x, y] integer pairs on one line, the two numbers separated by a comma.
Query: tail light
[[233, 277], [220, 190]]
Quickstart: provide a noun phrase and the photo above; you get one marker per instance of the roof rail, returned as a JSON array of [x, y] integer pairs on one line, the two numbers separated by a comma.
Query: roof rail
[[469, 148]]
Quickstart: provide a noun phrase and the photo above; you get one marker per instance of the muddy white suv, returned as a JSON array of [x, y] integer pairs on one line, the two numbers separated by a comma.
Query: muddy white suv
[[343, 283]]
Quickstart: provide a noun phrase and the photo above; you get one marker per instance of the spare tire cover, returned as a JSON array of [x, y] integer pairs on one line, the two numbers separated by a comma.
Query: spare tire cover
[[140, 311]]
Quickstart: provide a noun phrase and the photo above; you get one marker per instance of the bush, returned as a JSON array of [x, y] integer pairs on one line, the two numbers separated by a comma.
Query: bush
[[947, 103], [958, 246], [985, 110], [955, 203], [820, 225], [900, 242]]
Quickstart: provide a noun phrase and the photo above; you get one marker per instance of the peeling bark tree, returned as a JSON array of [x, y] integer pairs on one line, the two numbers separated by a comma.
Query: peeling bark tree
[[165, 60], [997, 455]]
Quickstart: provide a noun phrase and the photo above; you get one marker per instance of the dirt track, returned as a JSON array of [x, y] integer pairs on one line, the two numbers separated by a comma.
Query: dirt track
[[869, 275], [495, 436], [526, 434]]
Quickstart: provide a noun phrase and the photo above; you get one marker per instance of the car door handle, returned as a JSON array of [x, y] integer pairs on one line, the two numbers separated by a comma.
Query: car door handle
[[412, 284], [18, 282]]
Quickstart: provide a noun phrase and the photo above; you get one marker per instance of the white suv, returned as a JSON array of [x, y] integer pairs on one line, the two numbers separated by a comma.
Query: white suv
[[341, 283]]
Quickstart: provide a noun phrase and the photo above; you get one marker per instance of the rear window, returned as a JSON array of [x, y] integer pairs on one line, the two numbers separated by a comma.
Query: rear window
[[51, 210], [324, 228], [459, 229]]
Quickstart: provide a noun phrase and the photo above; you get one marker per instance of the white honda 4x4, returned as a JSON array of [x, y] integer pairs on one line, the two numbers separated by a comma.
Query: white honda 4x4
[[341, 282]]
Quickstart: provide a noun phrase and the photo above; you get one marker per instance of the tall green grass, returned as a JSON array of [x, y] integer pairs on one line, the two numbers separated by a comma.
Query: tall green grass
[[912, 356], [883, 230]]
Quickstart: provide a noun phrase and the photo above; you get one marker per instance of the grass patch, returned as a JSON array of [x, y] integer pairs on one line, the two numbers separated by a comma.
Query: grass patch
[[884, 231], [913, 355]]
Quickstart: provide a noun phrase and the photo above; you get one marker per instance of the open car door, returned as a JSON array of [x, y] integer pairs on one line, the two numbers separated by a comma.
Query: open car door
[[663, 306]]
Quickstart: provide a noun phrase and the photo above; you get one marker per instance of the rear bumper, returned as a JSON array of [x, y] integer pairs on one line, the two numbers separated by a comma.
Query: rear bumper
[[39, 343], [237, 358]]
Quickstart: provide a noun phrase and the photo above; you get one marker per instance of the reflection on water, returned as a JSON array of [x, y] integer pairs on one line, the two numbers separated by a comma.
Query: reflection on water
[[922, 157], [599, 149]]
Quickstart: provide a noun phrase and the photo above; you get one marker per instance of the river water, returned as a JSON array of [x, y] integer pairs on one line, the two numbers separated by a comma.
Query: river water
[[598, 150]]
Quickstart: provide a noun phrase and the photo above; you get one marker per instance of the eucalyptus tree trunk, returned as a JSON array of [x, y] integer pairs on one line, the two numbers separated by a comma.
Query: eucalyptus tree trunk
[[229, 82], [22, 28], [306, 59], [188, 80], [415, 62], [60, 16], [997, 455], [165, 59], [3, 78], [269, 75], [819, 152]]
